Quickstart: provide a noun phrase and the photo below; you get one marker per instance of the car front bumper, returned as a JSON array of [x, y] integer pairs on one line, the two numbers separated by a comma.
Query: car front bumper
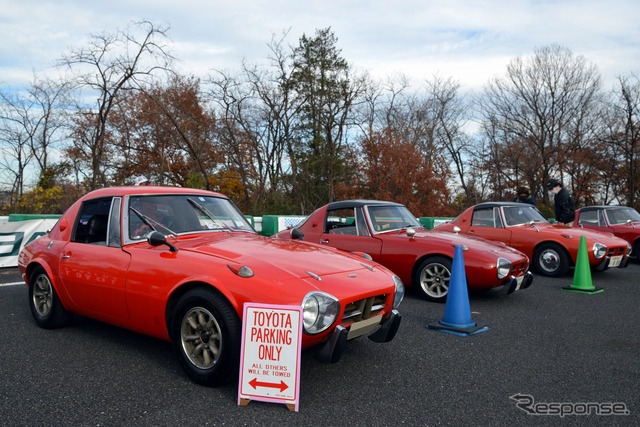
[[604, 264], [332, 350], [517, 283]]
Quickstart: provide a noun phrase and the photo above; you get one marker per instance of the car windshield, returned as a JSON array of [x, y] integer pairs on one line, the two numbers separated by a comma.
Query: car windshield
[[517, 215], [176, 214], [622, 216], [390, 218]]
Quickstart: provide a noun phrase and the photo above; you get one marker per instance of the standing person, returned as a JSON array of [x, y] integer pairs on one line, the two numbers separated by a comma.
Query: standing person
[[524, 196], [564, 206]]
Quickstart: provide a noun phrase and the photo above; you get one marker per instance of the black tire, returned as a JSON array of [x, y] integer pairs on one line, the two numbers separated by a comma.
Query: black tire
[[432, 278], [206, 334], [46, 308], [636, 250], [551, 260]]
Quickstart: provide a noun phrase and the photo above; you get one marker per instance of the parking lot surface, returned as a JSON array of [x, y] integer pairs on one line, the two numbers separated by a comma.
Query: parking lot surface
[[547, 353]]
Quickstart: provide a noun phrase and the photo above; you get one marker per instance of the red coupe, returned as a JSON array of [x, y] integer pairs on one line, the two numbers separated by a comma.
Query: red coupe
[[392, 236], [622, 221], [553, 248], [179, 264]]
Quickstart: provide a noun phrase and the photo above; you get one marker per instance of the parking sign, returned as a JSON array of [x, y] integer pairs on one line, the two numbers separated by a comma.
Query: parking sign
[[270, 354]]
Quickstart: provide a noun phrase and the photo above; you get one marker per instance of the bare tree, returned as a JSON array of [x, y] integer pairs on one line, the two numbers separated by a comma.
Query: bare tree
[[32, 124], [625, 136], [16, 132], [538, 115], [110, 65]]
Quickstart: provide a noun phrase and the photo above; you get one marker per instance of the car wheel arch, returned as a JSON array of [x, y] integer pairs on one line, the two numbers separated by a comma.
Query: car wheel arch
[[33, 266], [186, 287], [419, 260], [560, 246], [417, 271], [554, 242]]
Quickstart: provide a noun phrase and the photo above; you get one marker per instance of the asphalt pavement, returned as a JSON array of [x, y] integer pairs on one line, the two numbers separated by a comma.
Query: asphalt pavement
[[550, 357]]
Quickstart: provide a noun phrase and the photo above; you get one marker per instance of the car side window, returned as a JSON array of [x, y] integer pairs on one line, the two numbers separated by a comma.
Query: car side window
[[341, 221], [92, 222], [483, 218], [588, 218]]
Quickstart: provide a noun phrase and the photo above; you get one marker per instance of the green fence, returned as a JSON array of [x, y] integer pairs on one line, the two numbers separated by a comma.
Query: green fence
[[429, 222], [27, 217]]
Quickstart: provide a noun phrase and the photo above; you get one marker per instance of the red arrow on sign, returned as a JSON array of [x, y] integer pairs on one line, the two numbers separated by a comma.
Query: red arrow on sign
[[255, 383]]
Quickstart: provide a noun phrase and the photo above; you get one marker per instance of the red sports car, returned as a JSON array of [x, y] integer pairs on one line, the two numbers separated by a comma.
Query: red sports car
[[553, 248], [622, 221], [392, 236], [179, 264]]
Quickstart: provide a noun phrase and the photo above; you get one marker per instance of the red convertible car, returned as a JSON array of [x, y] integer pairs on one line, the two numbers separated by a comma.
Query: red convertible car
[[553, 249], [179, 264], [392, 236], [622, 221]]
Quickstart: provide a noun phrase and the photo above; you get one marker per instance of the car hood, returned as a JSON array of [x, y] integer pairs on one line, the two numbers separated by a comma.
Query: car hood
[[280, 259], [473, 243], [560, 230]]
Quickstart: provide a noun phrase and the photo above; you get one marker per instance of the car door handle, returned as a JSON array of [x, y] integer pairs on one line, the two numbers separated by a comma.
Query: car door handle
[[66, 255], [324, 242]]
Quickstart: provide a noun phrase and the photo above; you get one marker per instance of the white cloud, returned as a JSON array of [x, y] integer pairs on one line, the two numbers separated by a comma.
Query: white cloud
[[470, 41]]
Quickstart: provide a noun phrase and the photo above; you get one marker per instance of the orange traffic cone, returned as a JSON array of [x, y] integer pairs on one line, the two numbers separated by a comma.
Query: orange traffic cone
[[457, 313], [582, 275]]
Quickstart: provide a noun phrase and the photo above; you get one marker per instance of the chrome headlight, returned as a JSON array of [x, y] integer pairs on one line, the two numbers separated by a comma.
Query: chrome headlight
[[504, 268], [319, 311], [599, 250], [399, 295]]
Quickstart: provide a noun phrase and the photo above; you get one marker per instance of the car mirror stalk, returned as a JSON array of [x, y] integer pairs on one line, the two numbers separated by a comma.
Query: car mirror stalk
[[156, 238]]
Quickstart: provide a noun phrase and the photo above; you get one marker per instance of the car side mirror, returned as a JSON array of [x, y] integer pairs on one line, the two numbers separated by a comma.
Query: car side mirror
[[155, 238], [411, 232], [297, 234]]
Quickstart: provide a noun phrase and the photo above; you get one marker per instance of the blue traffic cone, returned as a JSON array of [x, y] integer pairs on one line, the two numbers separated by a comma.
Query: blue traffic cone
[[457, 313], [582, 275]]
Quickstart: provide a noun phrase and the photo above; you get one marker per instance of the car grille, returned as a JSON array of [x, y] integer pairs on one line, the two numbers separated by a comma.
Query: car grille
[[363, 309], [620, 250], [519, 268]]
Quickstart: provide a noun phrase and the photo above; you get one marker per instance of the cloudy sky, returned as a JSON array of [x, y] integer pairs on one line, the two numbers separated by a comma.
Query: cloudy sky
[[468, 40]]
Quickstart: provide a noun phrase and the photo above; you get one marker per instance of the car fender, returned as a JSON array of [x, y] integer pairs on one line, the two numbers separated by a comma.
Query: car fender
[[215, 283], [421, 258], [63, 296], [570, 253]]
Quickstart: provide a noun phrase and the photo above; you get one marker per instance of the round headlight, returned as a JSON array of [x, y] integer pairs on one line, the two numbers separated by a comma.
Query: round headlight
[[399, 295], [503, 268], [599, 250], [319, 311]]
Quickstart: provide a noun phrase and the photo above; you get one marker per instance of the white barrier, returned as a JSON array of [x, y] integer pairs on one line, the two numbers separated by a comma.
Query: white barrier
[[14, 235]]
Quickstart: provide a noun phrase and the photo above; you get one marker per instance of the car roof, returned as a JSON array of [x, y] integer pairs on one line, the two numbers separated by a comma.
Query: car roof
[[344, 204], [142, 190], [499, 204], [600, 207]]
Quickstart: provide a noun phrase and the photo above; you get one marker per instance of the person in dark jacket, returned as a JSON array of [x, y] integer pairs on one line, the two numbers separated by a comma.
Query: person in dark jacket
[[564, 205], [524, 196]]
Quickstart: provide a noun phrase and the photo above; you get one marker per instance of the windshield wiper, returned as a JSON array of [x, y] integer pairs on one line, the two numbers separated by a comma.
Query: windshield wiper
[[219, 224], [149, 222]]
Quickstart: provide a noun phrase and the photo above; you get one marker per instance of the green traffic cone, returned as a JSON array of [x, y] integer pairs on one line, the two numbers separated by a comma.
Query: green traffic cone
[[582, 275]]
